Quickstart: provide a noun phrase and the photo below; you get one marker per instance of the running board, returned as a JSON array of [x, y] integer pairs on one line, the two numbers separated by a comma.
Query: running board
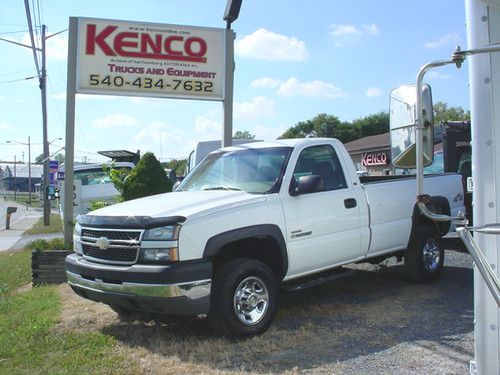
[[316, 279]]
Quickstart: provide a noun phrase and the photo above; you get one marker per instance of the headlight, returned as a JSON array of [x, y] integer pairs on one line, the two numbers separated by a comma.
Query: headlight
[[77, 246], [159, 255], [168, 233], [77, 231]]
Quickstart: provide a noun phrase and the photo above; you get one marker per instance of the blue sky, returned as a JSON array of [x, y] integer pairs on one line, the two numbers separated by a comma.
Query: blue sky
[[294, 60]]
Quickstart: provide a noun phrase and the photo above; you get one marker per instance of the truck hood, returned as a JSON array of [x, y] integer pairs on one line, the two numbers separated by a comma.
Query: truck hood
[[190, 205]]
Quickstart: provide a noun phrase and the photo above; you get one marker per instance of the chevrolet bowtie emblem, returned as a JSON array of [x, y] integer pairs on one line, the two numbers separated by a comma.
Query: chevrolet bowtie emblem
[[102, 243]]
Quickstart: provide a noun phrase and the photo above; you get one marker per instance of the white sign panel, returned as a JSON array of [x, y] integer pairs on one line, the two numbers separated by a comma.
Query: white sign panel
[[148, 59]]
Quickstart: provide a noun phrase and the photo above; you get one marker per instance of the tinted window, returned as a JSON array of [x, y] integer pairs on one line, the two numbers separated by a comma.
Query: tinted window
[[324, 162]]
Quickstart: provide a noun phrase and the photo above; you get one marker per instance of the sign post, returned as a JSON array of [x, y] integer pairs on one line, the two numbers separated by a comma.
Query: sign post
[[115, 57]]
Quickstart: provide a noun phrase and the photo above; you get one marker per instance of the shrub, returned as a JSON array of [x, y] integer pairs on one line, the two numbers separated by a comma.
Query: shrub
[[95, 205], [53, 244], [147, 178]]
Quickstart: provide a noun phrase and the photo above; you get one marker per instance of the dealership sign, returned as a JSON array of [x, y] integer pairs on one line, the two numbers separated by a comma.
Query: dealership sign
[[147, 59], [376, 158]]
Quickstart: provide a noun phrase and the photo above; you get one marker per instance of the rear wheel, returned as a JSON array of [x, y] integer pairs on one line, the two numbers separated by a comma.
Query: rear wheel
[[424, 257], [244, 295]]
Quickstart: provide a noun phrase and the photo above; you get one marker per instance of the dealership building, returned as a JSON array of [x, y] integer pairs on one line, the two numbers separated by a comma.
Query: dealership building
[[372, 154]]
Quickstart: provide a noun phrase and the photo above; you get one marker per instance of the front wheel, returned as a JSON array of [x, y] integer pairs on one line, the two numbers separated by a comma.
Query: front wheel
[[244, 295], [424, 257]]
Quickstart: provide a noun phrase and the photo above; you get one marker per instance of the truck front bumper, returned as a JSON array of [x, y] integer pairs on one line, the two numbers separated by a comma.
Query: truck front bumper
[[181, 288]]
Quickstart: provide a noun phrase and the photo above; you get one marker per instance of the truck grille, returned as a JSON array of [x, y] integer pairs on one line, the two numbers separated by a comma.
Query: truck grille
[[123, 245]]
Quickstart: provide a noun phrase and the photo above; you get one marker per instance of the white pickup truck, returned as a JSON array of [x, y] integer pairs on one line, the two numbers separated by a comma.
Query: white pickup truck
[[248, 221]]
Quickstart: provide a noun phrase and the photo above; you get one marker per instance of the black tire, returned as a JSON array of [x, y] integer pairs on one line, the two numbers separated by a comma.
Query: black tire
[[244, 298], [424, 257]]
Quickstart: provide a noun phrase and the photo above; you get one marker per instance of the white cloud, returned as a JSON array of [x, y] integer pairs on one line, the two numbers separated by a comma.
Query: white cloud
[[260, 106], [206, 125], [114, 121], [311, 89], [445, 40], [163, 139], [266, 45], [343, 34], [5, 126], [267, 133], [265, 83], [373, 92], [371, 29], [341, 30], [56, 46]]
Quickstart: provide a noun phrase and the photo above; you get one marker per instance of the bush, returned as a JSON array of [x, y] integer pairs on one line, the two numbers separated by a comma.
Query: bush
[[147, 178], [95, 205], [53, 244]]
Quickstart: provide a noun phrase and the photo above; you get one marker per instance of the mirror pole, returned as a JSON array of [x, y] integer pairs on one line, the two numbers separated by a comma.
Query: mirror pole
[[419, 124]]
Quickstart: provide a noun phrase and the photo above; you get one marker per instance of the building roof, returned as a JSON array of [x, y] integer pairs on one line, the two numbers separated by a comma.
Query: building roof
[[21, 170], [370, 143]]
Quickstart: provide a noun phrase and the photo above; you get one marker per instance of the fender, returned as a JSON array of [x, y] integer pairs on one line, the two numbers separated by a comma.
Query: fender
[[437, 204], [215, 243]]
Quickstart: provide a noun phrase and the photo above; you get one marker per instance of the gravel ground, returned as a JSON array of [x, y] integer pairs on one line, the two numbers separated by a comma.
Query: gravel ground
[[372, 322]]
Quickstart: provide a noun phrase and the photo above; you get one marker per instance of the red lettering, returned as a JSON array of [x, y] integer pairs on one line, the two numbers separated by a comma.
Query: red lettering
[[168, 45], [143, 45], [119, 43], [374, 159], [202, 47], [147, 41], [93, 40]]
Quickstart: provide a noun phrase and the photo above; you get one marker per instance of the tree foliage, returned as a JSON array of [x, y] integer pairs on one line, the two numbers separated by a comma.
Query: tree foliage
[[243, 135], [147, 178], [330, 126], [177, 165], [443, 112], [117, 176], [59, 157]]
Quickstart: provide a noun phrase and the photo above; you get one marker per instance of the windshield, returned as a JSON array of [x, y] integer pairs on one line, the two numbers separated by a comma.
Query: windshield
[[256, 171]]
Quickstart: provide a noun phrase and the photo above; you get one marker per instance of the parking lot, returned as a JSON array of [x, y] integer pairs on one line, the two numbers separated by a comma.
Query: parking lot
[[372, 322]]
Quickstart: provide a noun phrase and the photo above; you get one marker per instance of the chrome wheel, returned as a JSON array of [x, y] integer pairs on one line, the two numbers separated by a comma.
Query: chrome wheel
[[431, 255], [251, 300]]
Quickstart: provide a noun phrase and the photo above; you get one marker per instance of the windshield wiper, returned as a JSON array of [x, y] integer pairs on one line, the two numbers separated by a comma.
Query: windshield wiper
[[222, 188]]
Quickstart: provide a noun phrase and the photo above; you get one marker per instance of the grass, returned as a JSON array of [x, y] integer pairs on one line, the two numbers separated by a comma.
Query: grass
[[14, 270], [29, 345], [39, 228]]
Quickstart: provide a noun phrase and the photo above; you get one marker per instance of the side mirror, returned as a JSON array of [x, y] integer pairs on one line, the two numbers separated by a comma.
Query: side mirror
[[402, 124], [307, 184]]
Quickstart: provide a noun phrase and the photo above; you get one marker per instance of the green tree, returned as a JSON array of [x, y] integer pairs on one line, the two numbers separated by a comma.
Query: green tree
[[179, 166], [443, 112], [243, 135], [322, 125], [117, 176], [39, 159], [59, 157], [372, 124], [147, 178]]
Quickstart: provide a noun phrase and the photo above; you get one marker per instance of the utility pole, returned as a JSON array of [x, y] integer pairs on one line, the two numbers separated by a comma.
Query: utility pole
[[15, 178], [29, 170], [43, 88]]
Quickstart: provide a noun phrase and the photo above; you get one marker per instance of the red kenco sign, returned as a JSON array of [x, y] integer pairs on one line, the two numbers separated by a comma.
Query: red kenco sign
[[144, 45], [375, 158], [146, 59]]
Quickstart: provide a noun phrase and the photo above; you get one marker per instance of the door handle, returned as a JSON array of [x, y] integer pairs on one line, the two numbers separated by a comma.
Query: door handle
[[350, 203]]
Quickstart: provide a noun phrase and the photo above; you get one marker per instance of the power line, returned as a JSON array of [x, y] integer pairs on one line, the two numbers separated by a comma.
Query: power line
[[13, 32], [33, 45], [19, 71], [17, 80]]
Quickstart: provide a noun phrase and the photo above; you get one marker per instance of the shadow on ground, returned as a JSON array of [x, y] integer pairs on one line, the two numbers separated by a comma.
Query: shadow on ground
[[373, 310]]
